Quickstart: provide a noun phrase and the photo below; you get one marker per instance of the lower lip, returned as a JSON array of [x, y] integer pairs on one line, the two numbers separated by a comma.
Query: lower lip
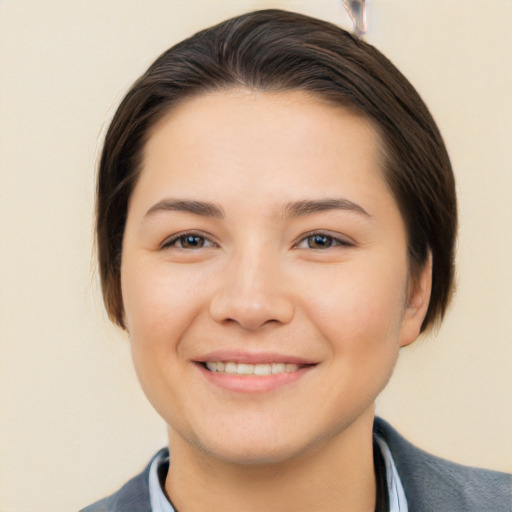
[[252, 383]]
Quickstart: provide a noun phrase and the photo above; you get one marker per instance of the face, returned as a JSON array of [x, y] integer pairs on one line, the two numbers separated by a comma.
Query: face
[[264, 274]]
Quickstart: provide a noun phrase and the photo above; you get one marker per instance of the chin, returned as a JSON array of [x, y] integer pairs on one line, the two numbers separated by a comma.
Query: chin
[[259, 447], [251, 454]]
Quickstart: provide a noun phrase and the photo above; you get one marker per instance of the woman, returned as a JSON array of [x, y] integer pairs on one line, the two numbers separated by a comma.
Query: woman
[[276, 218]]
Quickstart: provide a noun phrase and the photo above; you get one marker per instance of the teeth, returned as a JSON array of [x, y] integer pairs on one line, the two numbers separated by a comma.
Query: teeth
[[262, 369], [228, 368], [251, 369], [244, 369], [211, 366], [278, 368]]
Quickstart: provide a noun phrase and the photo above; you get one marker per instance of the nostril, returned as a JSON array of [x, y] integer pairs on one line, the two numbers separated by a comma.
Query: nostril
[[251, 304]]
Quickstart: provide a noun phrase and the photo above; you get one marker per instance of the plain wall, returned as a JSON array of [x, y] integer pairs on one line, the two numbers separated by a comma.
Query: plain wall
[[73, 423]]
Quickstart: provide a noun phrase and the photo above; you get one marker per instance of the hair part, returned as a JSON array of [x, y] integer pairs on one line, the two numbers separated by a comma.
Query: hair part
[[270, 51]]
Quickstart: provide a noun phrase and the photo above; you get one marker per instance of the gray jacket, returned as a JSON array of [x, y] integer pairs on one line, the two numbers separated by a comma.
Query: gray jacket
[[431, 484]]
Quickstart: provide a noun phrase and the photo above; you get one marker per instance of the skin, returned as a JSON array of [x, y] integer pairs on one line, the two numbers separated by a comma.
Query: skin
[[256, 282]]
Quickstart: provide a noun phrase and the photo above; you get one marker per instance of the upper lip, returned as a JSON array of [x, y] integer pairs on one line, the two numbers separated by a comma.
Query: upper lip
[[236, 356]]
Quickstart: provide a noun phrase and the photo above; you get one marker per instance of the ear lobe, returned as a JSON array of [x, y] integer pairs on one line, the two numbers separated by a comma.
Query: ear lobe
[[418, 299]]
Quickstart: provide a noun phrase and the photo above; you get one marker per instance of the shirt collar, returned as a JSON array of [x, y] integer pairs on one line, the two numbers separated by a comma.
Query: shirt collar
[[397, 499], [157, 497]]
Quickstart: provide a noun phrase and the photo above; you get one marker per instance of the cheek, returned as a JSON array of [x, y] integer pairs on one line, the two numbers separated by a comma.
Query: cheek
[[159, 303], [360, 308], [160, 306]]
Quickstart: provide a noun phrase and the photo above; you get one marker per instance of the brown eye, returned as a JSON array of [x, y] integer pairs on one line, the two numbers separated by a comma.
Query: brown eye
[[191, 241], [188, 241], [320, 241]]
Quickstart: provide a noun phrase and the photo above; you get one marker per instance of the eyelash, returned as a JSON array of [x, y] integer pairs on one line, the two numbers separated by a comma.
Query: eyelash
[[180, 237], [332, 240]]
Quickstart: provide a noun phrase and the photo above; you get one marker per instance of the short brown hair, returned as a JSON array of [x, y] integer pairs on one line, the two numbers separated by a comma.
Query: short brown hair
[[273, 50]]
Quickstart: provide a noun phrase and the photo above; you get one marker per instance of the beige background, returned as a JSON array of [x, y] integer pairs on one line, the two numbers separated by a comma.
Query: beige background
[[74, 424]]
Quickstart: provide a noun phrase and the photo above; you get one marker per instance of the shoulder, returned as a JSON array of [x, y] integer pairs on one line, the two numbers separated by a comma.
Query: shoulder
[[435, 484], [132, 497]]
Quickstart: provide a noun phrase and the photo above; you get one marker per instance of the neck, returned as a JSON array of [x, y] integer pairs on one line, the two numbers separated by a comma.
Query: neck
[[336, 474]]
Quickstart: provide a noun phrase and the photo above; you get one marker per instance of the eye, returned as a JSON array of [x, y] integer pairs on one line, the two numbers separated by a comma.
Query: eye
[[188, 241], [322, 241]]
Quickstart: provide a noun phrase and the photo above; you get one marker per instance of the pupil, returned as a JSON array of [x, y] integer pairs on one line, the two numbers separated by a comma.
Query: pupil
[[320, 241], [192, 242]]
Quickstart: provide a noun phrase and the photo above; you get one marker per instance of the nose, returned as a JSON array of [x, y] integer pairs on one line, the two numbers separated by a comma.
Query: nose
[[252, 293]]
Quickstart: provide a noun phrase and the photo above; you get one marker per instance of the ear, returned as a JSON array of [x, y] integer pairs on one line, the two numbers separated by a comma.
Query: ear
[[418, 298]]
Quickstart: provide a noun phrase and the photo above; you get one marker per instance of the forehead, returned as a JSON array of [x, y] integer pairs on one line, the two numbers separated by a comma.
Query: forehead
[[258, 140], [269, 118]]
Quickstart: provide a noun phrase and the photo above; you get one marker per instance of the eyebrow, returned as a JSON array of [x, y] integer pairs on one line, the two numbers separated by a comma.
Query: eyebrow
[[295, 209], [201, 208], [312, 206]]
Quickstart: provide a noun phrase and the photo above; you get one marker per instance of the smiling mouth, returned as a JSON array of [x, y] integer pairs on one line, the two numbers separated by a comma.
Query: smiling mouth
[[247, 369]]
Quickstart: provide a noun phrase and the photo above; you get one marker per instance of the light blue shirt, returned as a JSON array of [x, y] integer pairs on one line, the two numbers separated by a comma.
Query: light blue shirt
[[397, 500]]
